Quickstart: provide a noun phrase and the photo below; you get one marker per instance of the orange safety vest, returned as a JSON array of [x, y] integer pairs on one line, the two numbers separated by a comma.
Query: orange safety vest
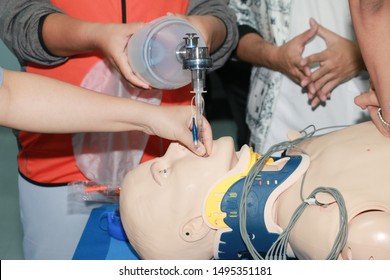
[[48, 159]]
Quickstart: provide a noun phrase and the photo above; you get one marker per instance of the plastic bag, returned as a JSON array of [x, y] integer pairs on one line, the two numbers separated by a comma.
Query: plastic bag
[[92, 192], [105, 158]]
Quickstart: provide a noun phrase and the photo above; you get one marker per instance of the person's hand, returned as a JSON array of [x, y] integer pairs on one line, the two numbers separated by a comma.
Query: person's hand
[[175, 123], [368, 100], [340, 61], [111, 39], [289, 55]]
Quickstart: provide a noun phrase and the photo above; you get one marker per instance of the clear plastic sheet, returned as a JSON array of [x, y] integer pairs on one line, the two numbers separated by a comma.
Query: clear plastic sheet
[[105, 158]]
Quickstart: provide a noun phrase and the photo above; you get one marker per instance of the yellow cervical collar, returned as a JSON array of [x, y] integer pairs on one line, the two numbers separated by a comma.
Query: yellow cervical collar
[[213, 212]]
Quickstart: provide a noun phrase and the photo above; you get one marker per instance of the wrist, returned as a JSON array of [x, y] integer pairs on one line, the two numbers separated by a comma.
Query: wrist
[[255, 50], [274, 58]]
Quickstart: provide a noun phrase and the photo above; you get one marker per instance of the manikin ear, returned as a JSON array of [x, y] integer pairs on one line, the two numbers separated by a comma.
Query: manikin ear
[[194, 229]]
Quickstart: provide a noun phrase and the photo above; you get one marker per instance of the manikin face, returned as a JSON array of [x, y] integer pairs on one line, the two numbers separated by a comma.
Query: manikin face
[[161, 201]]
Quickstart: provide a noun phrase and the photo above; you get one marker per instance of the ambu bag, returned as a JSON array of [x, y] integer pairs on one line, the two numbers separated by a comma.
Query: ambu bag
[[103, 157]]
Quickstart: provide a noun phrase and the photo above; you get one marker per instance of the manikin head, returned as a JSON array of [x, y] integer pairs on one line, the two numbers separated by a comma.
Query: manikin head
[[162, 200]]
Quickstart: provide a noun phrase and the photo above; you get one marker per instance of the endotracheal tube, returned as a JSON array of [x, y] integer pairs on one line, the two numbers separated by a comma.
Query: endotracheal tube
[[197, 60]]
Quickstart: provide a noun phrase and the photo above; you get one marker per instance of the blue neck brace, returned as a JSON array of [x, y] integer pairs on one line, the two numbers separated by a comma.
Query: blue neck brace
[[267, 184]]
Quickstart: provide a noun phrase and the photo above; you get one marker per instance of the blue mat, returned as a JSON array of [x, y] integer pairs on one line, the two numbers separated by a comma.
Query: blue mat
[[96, 242]]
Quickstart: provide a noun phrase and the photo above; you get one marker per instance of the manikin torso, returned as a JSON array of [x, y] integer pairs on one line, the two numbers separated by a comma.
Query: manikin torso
[[355, 164]]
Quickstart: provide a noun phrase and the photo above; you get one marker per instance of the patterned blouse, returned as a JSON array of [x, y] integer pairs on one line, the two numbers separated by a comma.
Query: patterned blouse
[[271, 19]]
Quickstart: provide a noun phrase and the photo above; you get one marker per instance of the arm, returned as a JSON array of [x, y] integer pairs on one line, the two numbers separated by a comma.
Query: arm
[[259, 48], [67, 36], [217, 22], [38, 32], [39, 104], [20, 22], [368, 237], [371, 20], [286, 58]]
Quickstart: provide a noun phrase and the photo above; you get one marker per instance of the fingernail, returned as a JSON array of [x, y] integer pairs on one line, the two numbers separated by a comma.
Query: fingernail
[[200, 150]]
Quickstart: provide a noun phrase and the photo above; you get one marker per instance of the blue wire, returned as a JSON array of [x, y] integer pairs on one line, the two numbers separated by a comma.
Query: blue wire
[[194, 131]]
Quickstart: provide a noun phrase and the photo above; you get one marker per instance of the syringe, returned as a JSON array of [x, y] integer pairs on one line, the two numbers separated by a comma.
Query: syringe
[[197, 59]]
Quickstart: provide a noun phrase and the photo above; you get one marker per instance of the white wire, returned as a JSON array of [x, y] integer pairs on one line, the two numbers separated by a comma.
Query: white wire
[[279, 249]]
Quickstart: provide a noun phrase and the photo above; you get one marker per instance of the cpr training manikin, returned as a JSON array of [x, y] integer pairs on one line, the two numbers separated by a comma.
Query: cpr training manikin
[[326, 197]]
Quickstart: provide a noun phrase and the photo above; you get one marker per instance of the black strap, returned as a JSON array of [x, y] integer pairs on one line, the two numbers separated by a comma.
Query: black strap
[[40, 35], [124, 19]]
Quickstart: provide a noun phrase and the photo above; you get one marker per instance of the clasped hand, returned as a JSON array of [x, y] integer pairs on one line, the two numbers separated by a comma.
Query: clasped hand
[[340, 61]]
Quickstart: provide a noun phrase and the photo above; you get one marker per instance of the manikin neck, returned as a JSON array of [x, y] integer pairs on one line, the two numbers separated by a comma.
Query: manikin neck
[[212, 213], [221, 210]]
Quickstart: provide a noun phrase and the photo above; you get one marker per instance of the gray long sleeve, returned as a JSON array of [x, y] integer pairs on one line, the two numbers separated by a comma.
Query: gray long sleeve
[[220, 9], [19, 29]]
